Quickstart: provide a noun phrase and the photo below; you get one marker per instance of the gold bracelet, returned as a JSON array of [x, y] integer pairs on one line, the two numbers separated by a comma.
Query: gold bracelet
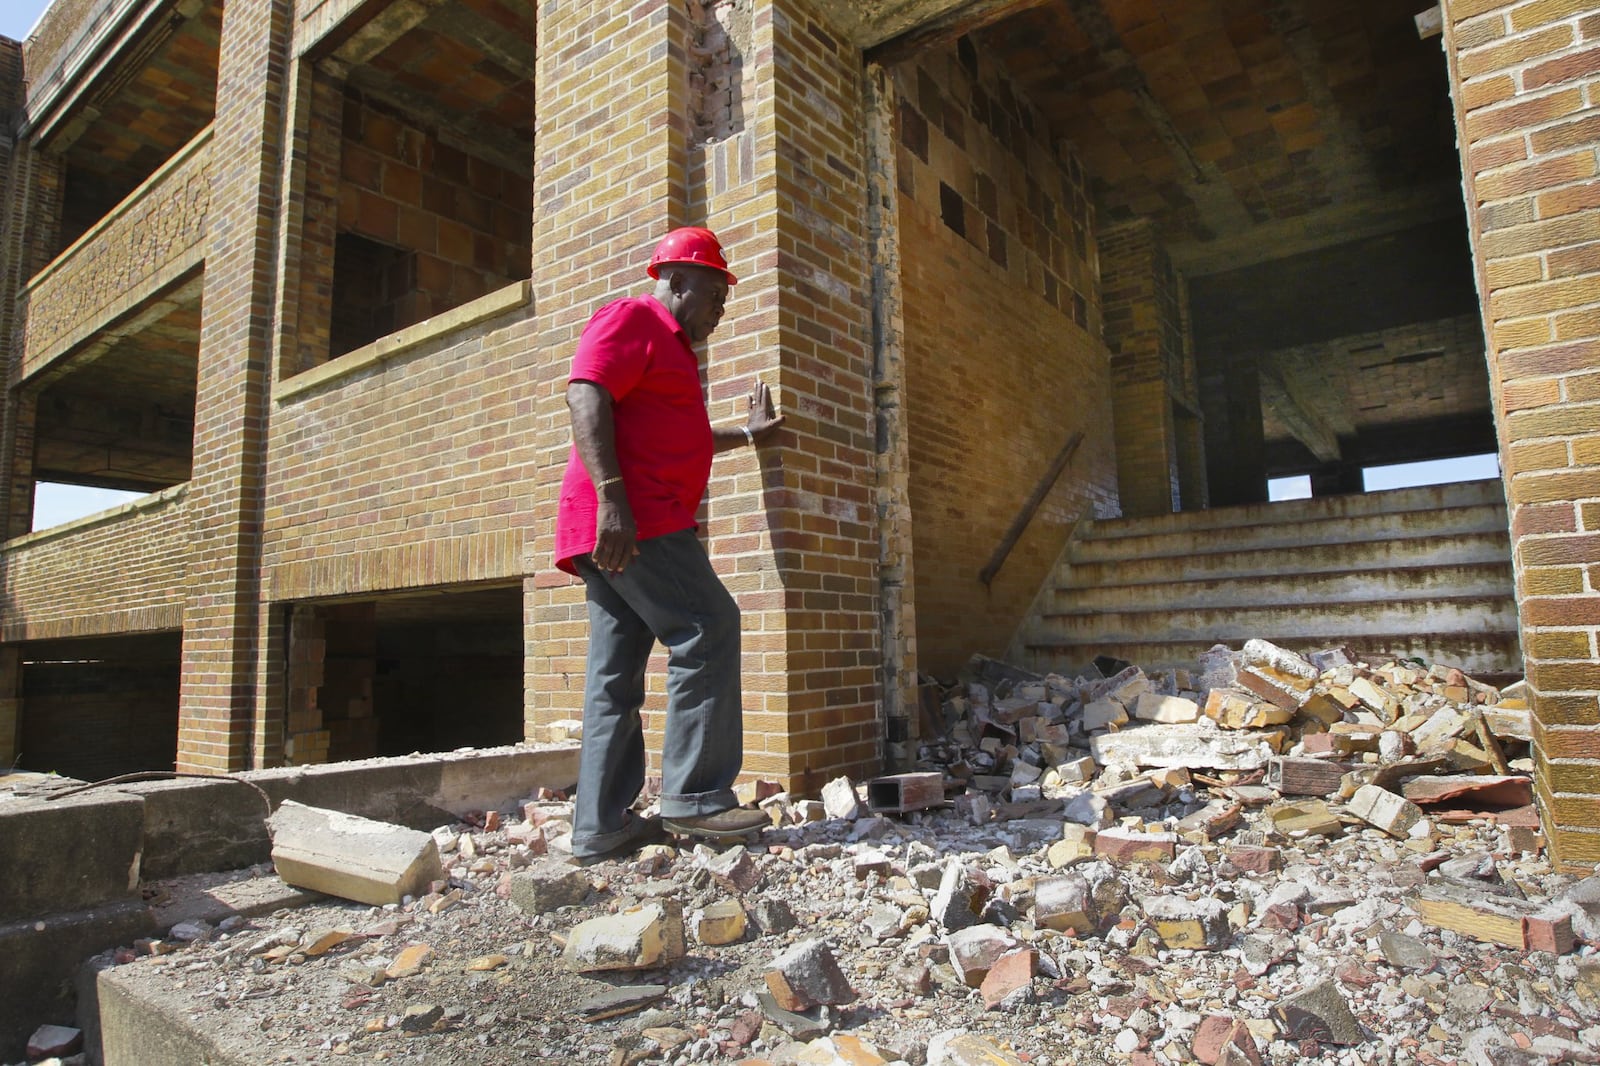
[[608, 481]]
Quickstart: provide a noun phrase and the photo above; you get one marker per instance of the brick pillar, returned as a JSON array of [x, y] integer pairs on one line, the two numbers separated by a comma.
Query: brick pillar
[[608, 181], [1523, 79], [1144, 329], [30, 194], [796, 527], [311, 210], [759, 136], [896, 577], [222, 617]]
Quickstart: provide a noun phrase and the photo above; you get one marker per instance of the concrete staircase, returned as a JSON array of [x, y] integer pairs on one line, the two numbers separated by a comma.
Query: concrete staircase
[[1422, 572]]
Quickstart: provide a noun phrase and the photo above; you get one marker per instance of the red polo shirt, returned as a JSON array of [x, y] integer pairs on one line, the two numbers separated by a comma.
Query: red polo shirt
[[635, 350]]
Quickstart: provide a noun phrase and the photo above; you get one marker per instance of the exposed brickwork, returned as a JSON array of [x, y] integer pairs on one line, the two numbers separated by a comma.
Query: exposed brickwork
[[1524, 84], [992, 396]]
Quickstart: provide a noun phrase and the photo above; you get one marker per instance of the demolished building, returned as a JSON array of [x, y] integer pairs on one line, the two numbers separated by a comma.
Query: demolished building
[[309, 274]]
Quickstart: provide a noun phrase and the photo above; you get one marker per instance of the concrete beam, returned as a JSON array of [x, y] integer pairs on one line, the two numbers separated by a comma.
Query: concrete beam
[[1291, 400], [944, 29]]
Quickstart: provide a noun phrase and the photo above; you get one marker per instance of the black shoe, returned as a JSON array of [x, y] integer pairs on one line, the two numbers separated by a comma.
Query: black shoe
[[649, 831], [724, 825]]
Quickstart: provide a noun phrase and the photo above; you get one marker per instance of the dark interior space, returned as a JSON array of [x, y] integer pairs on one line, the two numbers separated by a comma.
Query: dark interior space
[[97, 708], [1298, 165], [429, 671], [435, 202]]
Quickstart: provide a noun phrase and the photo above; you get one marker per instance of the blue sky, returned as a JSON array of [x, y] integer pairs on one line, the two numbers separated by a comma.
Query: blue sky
[[18, 16]]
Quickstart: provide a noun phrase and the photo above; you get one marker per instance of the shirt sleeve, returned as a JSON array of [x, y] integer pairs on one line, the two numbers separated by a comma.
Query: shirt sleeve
[[613, 351]]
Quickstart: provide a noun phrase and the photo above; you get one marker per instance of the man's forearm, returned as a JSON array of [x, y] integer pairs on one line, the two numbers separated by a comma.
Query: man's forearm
[[593, 432]]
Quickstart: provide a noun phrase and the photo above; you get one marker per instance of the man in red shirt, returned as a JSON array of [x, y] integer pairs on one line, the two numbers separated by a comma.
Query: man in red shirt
[[640, 461]]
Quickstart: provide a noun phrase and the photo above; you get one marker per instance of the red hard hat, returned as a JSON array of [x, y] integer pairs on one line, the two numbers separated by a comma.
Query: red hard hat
[[690, 244]]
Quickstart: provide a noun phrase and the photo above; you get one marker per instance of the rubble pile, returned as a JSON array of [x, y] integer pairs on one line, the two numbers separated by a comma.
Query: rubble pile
[[1270, 859]]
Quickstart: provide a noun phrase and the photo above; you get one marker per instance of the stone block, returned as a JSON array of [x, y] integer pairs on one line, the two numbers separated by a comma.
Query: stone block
[[1198, 924], [69, 854], [1379, 807], [1103, 714], [351, 857], [733, 869], [1318, 1013], [960, 898], [721, 923], [1009, 977], [839, 799], [640, 938], [1192, 747]]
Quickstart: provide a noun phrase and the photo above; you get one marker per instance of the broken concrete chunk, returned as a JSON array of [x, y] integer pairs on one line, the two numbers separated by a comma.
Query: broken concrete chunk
[[975, 949], [548, 885], [1319, 1013], [1193, 747], [807, 975], [1169, 710], [1375, 699], [721, 923], [644, 937], [733, 869], [1064, 903], [1279, 693], [1103, 714], [622, 999], [1199, 924], [351, 857], [839, 799], [1235, 710], [959, 900], [1010, 980], [1476, 791], [1128, 845]]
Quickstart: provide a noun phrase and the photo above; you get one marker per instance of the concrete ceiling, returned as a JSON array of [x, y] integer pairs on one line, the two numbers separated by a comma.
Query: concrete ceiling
[[158, 96], [464, 69]]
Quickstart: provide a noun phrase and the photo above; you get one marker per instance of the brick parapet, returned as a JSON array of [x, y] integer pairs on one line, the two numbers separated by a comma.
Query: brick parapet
[[123, 571], [143, 245], [1523, 77]]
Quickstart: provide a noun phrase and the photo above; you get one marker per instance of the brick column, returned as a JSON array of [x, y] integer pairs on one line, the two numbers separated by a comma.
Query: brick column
[[222, 618], [1144, 329], [746, 117], [10, 705], [609, 179], [1524, 81]]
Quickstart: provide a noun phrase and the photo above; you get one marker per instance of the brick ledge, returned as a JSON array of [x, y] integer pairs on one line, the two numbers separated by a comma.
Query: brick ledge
[[485, 307], [152, 502]]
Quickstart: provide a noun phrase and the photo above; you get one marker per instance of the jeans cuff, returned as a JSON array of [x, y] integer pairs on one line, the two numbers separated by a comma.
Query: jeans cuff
[[690, 804]]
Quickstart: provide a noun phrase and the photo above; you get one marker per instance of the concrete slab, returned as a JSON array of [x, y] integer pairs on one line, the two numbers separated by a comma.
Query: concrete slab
[[352, 857], [143, 1030], [68, 854], [39, 956]]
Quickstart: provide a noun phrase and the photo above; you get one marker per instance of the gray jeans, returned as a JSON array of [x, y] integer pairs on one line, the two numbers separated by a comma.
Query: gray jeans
[[670, 593]]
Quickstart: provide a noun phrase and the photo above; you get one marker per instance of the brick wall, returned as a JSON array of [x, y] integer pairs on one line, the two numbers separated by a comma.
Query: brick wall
[[463, 220], [125, 572], [1003, 360], [417, 471], [1526, 79]]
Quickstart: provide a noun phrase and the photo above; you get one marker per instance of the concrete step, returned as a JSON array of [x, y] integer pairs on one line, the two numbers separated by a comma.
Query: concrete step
[[1485, 656], [1367, 585], [1464, 549], [1098, 544], [1440, 615], [1289, 512]]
